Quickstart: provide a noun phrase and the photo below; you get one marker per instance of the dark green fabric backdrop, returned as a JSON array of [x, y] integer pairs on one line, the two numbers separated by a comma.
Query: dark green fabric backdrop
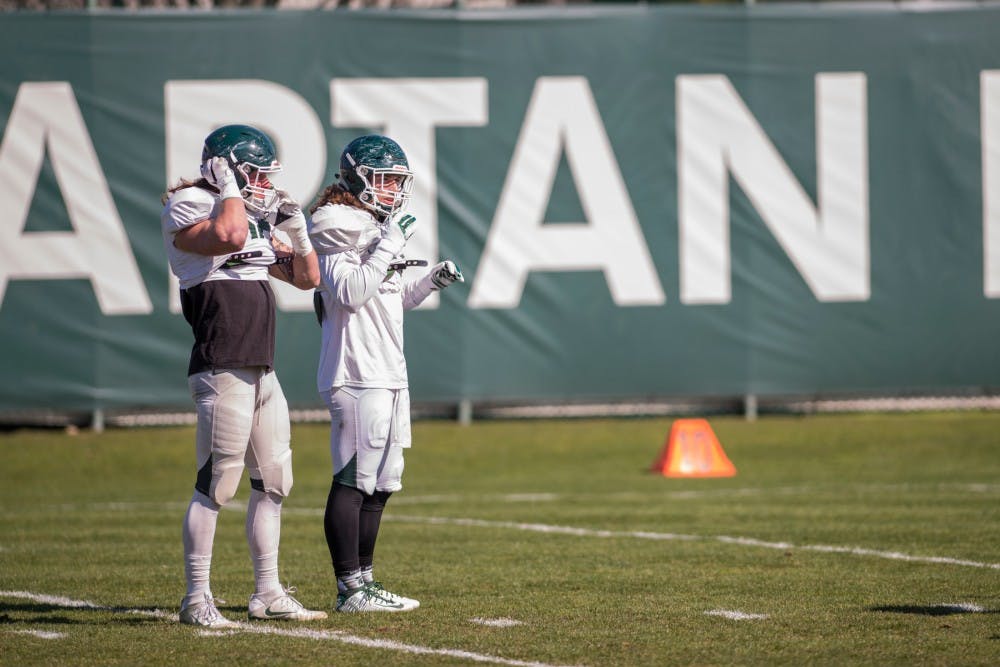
[[927, 321]]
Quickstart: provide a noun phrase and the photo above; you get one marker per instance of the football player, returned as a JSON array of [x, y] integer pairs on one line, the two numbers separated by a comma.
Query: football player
[[218, 235], [359, 229]]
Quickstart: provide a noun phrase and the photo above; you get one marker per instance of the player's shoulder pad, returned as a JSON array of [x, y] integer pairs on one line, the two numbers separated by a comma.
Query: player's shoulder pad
[[337, 228], [187, 206]]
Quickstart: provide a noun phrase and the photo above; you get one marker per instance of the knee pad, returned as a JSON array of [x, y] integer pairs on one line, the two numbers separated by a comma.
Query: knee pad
[[225, 481], [390, 478], [275, 478]]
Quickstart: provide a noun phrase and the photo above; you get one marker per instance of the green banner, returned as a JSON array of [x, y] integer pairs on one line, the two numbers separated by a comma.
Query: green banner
[[646, 201]]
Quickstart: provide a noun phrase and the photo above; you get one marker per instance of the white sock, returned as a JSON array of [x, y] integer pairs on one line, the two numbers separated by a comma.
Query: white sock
[[199, 536], [368, 574], [263, 535]]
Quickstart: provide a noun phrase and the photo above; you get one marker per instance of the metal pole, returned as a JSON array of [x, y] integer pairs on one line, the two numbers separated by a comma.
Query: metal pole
[[465, 412]]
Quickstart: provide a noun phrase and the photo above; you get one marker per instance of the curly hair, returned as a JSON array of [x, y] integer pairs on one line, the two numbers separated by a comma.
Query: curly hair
[[185, 183], [335, 193]]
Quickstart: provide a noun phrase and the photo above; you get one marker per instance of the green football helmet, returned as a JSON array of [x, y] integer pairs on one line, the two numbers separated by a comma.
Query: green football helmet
[[374, 169], [252, 157]]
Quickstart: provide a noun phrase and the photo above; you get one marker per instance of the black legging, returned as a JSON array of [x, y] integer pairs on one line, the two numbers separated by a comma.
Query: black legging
[[351, 523]]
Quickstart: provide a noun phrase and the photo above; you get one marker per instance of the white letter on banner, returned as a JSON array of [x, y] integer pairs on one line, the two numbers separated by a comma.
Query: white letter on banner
[[195, 108], [989, 93], [409, 110], [717, 134], [45, 114], [563, 115]]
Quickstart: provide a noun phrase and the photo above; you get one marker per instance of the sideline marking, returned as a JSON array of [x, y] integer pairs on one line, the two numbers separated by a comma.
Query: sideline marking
[[726, 539], [735, 614], [333, 635]]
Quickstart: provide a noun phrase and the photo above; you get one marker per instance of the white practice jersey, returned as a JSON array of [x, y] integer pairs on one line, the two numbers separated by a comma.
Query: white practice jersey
[[363, 302], [189, 206]]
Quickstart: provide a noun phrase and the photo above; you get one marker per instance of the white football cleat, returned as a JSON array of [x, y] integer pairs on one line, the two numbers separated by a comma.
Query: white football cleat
[[284, 608], [368, 598], [409, 603], [204, 613]]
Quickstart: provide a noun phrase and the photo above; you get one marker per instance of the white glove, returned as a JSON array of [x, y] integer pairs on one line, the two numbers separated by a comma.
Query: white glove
[[287, 208], [217, 172], [397, 232], [445, 274], [290, 219]]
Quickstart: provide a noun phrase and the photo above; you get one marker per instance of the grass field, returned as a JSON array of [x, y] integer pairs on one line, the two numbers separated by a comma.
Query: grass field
[[862, 539]]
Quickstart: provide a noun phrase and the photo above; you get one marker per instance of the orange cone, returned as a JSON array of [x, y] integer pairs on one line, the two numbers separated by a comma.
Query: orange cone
[[692, 450]]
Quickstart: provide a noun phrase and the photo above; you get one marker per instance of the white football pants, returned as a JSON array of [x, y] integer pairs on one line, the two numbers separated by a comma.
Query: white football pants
[[369, 429], [242, 421]]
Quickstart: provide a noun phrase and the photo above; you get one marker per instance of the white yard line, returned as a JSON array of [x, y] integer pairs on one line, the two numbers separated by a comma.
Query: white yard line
[[462, 499], [496, 622], [41, 634], [727, 539], [264, 629], [59, 601], [962, 608], [388, 644], [590, 532], [735, 615]]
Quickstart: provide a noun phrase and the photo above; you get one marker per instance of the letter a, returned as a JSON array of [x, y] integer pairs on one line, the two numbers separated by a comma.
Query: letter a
[[46, 115]]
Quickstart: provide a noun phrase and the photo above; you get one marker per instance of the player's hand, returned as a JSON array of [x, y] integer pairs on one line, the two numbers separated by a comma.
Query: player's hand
[[217, 172], [290, 219], [280, 248], [445, 274], [397, 232], [405, 223]]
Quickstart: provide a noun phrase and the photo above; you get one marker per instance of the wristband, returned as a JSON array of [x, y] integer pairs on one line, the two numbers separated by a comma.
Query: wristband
[[299, 236]]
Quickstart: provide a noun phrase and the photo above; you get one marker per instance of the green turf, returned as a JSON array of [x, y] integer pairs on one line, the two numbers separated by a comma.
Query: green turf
[[97, 518]]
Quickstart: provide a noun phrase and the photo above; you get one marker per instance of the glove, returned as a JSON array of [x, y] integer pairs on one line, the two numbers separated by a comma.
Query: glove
[[217, 172], [287, 208], [397, 232], [290, 219], [445, 274]]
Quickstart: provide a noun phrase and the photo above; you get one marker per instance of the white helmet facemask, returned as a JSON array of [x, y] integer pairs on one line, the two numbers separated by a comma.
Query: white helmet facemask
[[257, 190], [386, 190]]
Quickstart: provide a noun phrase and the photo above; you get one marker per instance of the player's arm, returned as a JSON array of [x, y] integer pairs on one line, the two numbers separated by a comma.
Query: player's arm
[[282, 267], [224, 234], [306, 271], [355, 286], [227, 231], [440, 276], [303, 269], [295, 269]]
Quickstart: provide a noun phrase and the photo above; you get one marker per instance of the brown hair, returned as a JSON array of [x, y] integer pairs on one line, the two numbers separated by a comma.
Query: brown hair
[[336, 194], [184, 183]]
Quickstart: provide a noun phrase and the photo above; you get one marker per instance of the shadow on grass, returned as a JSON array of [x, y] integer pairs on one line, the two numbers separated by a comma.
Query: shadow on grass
[[35, 620], [33, 613], [933, 610]]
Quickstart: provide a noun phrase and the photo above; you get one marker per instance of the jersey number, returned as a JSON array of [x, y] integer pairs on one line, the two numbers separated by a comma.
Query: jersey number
[[257, 228]]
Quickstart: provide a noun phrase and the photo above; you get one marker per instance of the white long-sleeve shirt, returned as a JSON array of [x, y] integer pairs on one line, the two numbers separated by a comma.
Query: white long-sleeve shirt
[[363, 302]]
